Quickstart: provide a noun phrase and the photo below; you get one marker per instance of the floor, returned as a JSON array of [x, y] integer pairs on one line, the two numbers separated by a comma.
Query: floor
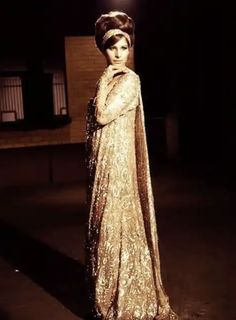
[[42, 231]]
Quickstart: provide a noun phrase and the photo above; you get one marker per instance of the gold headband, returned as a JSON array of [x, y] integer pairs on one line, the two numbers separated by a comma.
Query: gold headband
[[113, 32]]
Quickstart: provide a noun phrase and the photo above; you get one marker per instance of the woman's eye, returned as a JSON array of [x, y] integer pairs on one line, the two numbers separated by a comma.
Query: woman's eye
[[124, 48]]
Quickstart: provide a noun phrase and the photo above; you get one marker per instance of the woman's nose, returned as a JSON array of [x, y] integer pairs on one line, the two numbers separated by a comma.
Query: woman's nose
[[118, 53]]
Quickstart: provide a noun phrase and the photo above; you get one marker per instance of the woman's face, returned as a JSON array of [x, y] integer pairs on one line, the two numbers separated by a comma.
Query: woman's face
[[118, 53]]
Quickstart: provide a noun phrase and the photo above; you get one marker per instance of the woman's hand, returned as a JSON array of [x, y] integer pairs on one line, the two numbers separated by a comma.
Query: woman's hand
[[110, 72]]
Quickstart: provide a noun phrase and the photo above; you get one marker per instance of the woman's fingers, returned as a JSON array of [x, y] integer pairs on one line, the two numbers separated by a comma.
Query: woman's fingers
[[111, 71], [116, 69]]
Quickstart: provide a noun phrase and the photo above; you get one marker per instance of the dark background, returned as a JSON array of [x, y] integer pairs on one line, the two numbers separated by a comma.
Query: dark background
[[184, 53], [186, 57]]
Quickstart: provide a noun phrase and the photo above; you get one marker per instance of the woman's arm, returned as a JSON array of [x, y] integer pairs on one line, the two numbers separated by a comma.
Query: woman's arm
[[119, 100]]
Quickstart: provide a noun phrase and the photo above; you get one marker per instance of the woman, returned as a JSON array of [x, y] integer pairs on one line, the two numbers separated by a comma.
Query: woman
[[122, 246]]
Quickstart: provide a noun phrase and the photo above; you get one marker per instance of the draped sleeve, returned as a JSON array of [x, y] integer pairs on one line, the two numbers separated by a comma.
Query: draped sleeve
[[119, 100]]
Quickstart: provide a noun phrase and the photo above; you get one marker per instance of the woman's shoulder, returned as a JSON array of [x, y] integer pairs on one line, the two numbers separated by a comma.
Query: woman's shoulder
[[131, 73]]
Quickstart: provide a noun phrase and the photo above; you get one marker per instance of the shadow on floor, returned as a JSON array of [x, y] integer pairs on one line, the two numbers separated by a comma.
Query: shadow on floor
[[59, 275]]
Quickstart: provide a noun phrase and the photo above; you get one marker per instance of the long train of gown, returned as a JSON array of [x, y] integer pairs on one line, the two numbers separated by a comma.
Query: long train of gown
[[123, 261]]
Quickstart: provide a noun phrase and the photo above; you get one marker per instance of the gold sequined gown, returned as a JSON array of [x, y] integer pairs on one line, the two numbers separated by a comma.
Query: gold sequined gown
[[122, 245]]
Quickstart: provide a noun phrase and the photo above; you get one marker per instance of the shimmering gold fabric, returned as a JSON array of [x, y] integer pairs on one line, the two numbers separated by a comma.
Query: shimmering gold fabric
[[122, 246]]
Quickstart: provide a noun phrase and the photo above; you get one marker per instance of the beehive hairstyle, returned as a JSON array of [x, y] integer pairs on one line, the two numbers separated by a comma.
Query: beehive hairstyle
[[113, 20]]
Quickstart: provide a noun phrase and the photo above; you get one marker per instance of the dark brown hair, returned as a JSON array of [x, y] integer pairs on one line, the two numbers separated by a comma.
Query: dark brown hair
[[113, 20]]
